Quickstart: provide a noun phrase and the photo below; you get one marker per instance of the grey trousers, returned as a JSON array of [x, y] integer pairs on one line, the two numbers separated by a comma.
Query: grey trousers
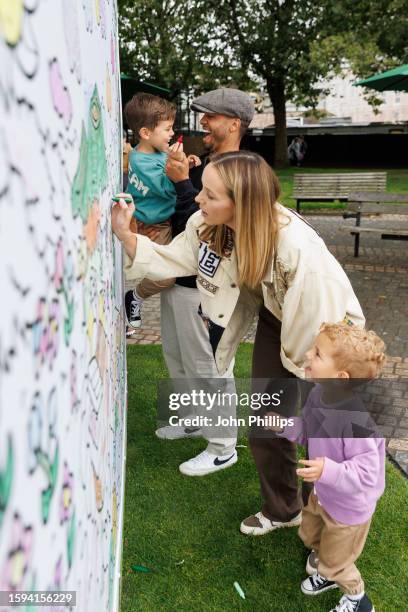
[[188, 355]]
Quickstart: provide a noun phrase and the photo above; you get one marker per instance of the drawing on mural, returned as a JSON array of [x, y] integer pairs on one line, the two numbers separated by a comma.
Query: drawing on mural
[[62, 345]]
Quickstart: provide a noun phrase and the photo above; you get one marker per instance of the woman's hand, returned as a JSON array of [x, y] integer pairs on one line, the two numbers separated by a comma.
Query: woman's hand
[[313, 471], [121, 216]]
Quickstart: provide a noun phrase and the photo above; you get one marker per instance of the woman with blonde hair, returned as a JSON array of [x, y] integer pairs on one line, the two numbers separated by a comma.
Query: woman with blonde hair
[[250, 255]]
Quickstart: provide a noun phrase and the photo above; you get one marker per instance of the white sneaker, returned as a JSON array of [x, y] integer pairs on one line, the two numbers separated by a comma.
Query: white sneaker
[[207, 463], [257, 524], [176, 432]]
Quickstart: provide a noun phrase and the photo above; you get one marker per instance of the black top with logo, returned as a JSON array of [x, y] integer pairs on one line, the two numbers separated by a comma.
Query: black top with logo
[[185, 207]]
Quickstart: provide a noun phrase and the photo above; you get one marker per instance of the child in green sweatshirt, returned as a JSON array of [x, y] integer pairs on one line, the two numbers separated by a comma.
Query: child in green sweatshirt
[[151, 118]]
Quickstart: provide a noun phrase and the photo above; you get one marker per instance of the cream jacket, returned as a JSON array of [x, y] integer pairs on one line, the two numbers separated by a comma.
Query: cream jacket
[[303, 287]]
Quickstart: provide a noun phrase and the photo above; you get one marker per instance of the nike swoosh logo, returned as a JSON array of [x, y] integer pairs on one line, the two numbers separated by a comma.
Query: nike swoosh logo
[[218, 462]]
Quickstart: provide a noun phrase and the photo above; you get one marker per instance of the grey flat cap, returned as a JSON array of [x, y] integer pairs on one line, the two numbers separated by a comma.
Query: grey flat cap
[[225, 101]]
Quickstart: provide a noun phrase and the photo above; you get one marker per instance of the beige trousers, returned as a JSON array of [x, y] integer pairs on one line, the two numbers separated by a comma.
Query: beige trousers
[[147, 288], [338, 545], [189, 357]]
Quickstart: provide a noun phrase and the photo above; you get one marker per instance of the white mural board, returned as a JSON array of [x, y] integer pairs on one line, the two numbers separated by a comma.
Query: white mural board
[[62, 345]]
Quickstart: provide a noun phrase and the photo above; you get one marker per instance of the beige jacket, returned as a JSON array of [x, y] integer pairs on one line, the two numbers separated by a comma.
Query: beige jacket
[[303, 287]]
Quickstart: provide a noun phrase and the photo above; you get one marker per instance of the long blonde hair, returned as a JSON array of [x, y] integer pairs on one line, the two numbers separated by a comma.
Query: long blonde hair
[[254, 188]]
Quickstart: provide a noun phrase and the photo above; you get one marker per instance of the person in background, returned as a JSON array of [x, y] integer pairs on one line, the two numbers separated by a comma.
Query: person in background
[[297, 151]]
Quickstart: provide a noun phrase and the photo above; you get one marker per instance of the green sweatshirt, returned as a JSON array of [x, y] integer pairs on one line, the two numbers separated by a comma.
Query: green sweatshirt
[[152, 191]]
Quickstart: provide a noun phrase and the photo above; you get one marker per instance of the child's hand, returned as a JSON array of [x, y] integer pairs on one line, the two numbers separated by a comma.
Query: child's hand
[[314, 471], [193, 161], [176, 151]]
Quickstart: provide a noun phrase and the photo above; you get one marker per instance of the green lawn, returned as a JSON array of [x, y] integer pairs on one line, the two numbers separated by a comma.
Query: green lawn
[[397, 181], [170, 518]]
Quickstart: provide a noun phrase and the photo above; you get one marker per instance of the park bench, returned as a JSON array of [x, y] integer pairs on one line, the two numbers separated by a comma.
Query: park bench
[[368, 203], [331, 187]]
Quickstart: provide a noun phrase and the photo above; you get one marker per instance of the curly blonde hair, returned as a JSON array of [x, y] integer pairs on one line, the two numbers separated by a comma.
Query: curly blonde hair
[[360, 352]]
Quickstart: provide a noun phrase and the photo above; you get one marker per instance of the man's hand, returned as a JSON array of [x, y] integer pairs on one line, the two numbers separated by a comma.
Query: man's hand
[[177, 167], [121, 216], [313, 471]]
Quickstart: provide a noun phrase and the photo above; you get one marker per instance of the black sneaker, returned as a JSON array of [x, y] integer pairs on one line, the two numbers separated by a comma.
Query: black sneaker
[[354, 605], [311, 563], [132, 307], [316, 584]]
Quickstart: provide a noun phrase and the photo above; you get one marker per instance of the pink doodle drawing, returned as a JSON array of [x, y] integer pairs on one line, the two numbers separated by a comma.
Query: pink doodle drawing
[[16, 567], [60, 95], [45, 328]]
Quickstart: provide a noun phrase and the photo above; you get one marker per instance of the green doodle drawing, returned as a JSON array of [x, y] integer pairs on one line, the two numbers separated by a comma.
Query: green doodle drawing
[[6, 479], [69, 319], [71, 540], [51, 472], [91, 177]]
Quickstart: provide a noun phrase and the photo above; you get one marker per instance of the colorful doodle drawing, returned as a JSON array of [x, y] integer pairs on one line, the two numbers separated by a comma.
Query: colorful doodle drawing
[[11, 19], [60, 94], [62, 344], [6, 479], [44, 447], [18, 560], [91, 175]]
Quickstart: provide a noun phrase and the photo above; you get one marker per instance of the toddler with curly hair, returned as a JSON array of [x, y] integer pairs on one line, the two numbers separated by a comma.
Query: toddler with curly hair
[[347, 471]]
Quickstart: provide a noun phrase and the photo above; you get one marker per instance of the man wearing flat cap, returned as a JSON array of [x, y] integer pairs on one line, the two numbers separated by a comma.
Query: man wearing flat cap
[[227, 114]]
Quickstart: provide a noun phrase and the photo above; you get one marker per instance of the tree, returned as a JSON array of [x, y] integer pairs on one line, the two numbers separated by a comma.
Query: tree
[[274, 38], [292, 45], [174, 44]]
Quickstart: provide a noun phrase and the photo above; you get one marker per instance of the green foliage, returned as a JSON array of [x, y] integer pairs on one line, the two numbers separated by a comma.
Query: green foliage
[[289, 45], [175, 45]]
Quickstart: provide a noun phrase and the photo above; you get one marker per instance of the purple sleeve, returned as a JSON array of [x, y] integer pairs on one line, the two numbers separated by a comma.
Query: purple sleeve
[[359, 471]]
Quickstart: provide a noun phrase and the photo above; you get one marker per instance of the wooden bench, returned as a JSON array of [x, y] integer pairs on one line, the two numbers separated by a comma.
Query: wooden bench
[[367, 203], [331, 187]]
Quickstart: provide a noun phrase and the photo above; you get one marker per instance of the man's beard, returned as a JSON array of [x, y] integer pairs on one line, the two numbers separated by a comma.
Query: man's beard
[[210, 147]]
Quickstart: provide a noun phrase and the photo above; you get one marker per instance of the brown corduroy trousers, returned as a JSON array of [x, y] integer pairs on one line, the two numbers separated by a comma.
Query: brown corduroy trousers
[[275, 458]]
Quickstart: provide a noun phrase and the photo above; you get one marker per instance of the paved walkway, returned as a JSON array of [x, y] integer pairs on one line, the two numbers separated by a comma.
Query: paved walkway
[[380, 279]]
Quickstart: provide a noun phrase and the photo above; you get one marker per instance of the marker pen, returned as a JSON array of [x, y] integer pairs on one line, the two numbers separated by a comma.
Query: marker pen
[[127, 200]]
